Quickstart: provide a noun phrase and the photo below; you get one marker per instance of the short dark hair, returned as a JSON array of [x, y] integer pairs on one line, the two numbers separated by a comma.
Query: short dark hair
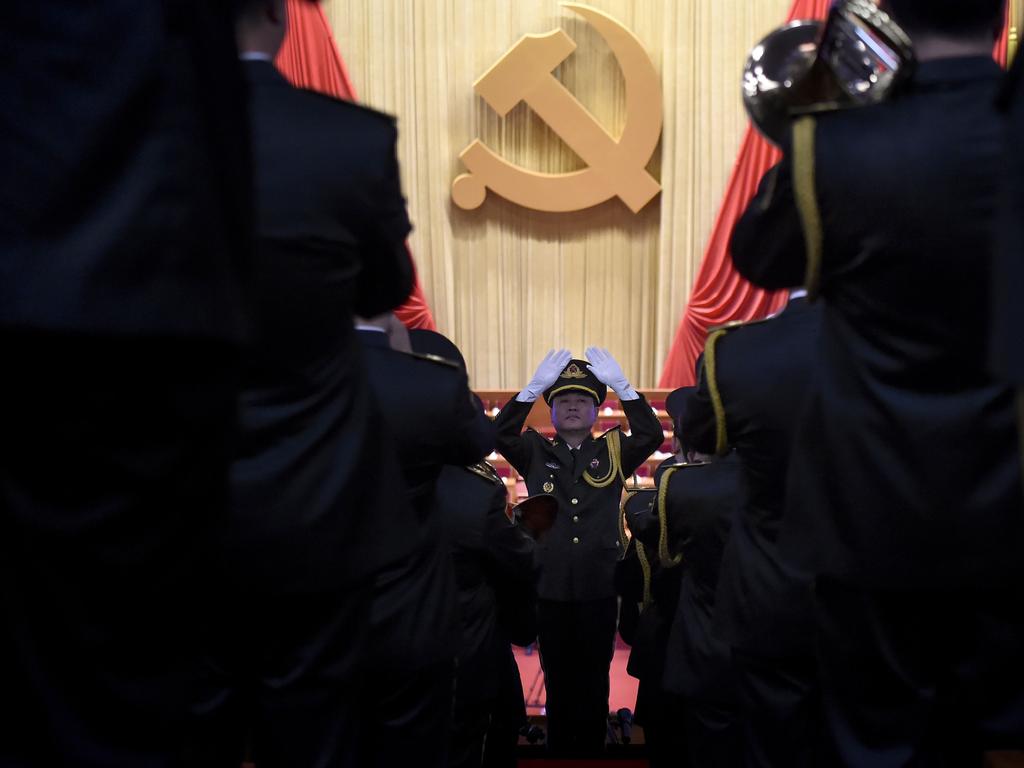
[[951, 17]]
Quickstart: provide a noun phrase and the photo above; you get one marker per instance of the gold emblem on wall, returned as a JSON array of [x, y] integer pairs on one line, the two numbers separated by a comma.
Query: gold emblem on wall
[[615, 167]]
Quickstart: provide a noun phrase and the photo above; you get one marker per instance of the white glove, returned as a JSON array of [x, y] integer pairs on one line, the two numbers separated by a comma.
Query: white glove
[[603, 365], [548, 371]]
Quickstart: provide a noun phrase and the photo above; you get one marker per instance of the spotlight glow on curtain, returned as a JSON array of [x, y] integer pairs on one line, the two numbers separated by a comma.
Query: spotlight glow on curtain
[[310, 59], [719, 295]]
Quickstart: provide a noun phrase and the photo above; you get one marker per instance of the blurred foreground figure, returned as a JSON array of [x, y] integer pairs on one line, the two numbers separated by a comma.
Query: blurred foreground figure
[[124, 239], [318, 503], [904, 493]]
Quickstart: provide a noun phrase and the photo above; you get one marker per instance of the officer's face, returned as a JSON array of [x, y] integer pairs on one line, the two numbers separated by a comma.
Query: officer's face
[[573, 411]]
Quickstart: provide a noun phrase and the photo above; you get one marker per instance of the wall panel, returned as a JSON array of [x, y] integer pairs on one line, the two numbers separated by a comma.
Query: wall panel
[[505, 283]]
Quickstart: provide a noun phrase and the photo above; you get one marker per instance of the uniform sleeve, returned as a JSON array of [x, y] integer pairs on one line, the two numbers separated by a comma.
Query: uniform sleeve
[[645, 434], [386, 277], [510, 566], [510, 441], [767, 242], [644, 525], [699, 425], [472, 434]]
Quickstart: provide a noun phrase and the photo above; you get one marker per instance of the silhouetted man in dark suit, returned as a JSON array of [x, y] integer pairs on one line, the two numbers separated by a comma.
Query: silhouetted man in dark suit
[[434, 421], [905, 477], [318, 503], [763, 609], [1008, 283], [701, 500], [124, 233], [495, 577]]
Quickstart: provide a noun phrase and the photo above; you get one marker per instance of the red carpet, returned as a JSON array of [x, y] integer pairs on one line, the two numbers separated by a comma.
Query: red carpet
[[623, 687]]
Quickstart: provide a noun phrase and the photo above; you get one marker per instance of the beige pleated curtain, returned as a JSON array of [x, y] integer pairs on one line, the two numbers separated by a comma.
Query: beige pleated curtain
[[505, 283]]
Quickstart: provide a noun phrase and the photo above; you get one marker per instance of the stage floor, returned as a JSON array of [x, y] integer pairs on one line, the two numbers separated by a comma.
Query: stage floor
[[623, 687]]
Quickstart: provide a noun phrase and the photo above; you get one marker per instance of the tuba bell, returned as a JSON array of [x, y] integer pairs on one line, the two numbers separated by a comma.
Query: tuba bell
[[857, 57]]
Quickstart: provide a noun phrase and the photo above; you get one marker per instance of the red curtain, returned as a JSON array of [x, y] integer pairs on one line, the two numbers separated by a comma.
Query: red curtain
[[719, 294], [310, 59]]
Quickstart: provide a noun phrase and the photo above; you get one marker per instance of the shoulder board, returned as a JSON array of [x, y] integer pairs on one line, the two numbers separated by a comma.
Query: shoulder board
[[486, 471], [608, 432], [735, 325], [541, 435], [690, 465], [362, 109], [435, 359]]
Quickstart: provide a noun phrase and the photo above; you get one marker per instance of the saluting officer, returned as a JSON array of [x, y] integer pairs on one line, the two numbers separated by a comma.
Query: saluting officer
[[578, 606]]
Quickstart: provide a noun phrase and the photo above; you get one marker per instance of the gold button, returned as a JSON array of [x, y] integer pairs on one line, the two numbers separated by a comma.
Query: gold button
[[575, 539], [575, 501], [575, 518]]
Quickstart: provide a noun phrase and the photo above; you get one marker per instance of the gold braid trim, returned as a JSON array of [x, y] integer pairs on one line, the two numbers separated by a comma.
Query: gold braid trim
[[807, 201], [614, 463], [667, 559], [623, 538], [1020, 428], [641, 552], [645, 567], [710, 370]]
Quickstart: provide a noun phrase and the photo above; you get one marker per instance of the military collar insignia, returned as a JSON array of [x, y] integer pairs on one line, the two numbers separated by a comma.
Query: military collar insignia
[[572, 371]]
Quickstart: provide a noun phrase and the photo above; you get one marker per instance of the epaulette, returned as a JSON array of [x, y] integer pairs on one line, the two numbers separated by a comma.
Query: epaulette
[[486, 471], [806, 199], [384, 117], [609, 431], [435, 359], [735, 325], [710, 373]]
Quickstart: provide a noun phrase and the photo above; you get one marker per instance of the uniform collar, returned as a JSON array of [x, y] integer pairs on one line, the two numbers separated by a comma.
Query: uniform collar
[[262, 72], [961, 69]]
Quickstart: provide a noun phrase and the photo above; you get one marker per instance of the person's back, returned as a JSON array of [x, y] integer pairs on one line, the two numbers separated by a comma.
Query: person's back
[[316, 489], [763, 610], [324, 252], [904, 488], [907, 192]]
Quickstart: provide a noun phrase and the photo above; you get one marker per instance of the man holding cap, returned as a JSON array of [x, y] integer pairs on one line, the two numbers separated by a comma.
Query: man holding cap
[[578, 606]]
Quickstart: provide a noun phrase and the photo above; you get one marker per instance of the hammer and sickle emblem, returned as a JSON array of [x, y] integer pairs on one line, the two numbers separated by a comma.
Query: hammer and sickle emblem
[[615, 168]]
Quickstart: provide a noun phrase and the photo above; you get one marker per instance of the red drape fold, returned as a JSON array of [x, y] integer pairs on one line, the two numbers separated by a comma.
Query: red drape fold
[[310, 59], [719, 294]]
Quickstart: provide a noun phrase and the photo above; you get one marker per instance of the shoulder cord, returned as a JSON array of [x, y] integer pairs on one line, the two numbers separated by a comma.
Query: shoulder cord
[[641, 553], [710, 363], [667, 559], [614, 463], [807, 201]]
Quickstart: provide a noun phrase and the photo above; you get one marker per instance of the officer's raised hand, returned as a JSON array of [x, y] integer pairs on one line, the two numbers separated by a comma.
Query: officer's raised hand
[[548, 371], [609, 372]]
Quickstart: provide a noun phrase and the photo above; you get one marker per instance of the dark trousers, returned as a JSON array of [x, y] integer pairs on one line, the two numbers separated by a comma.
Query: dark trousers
[[779, 710], [508, 716], [712, 736], [662, 714], [413, 637], [283, 681], [113, 482], [577, 642], [920, 678]]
